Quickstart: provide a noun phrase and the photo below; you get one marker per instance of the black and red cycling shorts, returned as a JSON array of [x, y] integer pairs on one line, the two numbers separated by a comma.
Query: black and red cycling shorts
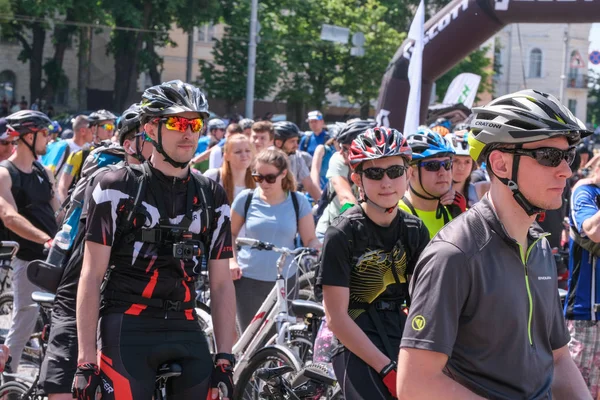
[[133, 348]]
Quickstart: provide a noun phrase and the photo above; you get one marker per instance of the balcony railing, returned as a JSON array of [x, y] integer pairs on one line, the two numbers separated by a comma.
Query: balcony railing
[[577, 82]]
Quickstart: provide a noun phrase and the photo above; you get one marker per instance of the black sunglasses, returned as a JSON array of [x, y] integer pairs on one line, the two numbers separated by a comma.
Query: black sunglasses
[[376, 173], [271, 178], [434, 166], [5, 143], [546, 156]]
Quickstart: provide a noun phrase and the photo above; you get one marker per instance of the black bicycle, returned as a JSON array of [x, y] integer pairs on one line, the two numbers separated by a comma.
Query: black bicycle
[[311, 382]]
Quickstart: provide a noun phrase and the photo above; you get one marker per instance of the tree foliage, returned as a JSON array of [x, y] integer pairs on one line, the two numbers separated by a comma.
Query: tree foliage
[[225, 76], [593, 109]]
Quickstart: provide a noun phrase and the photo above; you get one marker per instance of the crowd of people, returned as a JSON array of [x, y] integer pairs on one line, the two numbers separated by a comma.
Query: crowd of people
[[436, 273]]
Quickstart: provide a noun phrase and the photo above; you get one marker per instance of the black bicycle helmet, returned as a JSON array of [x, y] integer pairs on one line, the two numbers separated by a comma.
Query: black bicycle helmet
[[285, 130], [334, 130], [27, 121], [352, 129], [101, 115], [173, 97], [170, 98], [128, 121]]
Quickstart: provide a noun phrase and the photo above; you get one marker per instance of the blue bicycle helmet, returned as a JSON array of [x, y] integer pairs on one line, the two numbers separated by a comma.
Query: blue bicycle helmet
[[427, 144]]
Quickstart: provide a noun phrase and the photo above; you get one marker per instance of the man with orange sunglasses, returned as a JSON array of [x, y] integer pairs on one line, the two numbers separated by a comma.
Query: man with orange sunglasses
[[102, 124], [147, 314], [27, 212]]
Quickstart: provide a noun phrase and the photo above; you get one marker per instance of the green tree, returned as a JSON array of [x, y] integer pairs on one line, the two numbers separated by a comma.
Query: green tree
[[360, 77], [29, 29], [151, 20], [225, 77], [310, 63], [478, 63], [593, 109]]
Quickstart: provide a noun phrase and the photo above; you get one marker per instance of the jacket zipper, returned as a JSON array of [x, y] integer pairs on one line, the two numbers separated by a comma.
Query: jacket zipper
[[529, 296]]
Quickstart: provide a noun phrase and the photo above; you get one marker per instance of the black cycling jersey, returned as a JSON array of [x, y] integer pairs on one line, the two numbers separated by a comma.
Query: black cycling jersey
[[33, 195], [374, 262], [149, 270]]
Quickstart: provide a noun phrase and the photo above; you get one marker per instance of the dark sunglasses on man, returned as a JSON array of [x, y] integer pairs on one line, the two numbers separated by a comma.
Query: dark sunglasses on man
[[435, 165], [546, 156]]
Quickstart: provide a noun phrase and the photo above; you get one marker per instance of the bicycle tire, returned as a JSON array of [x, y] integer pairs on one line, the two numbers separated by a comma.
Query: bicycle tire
[[307, 280], [6, 308], [13, 391], [260, 359], [306, 294]]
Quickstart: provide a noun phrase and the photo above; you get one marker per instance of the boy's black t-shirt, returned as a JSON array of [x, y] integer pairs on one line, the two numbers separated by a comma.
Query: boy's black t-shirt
[[359, 254]]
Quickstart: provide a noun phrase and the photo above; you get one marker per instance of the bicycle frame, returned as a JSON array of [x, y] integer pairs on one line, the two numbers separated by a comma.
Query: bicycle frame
[[274, 310]]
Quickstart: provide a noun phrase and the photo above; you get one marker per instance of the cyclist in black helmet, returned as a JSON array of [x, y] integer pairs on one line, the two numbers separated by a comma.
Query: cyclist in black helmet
[[287, 138], [27, 212], [153, 225]]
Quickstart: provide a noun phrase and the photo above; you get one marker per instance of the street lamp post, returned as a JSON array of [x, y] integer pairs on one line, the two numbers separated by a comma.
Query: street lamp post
[[251, 61]]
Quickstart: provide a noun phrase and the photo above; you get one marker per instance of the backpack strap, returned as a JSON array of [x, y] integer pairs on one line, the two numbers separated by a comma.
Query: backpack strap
[[63, 160], [219, 175], [305, 141], [126, 223], [204, 191], [296, 209], [247, 203], [406, 201]]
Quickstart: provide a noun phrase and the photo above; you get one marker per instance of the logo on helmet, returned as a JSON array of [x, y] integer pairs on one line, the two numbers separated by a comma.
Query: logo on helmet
[[488, 124]]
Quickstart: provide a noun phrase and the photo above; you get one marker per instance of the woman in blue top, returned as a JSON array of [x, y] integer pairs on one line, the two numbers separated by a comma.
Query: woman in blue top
[[270, 218]]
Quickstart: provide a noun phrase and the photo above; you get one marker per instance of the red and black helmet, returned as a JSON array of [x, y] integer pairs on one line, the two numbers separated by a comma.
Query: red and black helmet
[[378, 142]]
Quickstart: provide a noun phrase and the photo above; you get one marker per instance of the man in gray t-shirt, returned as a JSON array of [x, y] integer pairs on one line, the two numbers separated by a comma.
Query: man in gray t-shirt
[[485, 319], [287, 138]]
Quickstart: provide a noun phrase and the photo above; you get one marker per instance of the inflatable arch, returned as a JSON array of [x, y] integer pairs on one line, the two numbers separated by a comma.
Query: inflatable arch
[[458, 29]]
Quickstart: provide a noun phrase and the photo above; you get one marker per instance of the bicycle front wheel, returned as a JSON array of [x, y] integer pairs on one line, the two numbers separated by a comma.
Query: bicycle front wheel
[[13, 391], [248, 386]]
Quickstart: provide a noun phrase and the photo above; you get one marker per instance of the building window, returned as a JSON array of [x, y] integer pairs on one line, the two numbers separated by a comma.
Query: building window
[[576, 68], [62, 92], [573, 106], [206, 33], [535, 63], [8, 81]]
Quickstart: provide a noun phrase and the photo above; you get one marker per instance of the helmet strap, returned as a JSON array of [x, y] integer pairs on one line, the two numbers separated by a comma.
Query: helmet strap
[[139, 146], [525, 204], [158, 145], [32, 146]]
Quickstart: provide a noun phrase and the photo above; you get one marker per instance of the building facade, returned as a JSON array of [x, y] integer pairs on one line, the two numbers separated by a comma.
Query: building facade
[[531, 56]]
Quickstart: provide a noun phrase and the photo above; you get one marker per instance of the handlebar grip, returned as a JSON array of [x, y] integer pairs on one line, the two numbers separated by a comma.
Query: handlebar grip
[[247, 242]]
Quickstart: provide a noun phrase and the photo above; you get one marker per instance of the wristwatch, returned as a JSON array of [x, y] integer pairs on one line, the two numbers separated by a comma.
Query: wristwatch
[[226, 357]]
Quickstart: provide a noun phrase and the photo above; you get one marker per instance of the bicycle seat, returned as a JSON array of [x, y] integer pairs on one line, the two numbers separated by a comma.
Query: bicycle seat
[[169, 370], [44, 299], [303, 307]]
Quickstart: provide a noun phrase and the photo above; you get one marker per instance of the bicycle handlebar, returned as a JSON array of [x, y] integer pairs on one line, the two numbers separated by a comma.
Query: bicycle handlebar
[[9, 244], [259, 245]]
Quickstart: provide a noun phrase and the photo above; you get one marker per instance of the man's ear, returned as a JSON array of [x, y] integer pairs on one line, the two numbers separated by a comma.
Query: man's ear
[[499, 163], [150, 130]]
